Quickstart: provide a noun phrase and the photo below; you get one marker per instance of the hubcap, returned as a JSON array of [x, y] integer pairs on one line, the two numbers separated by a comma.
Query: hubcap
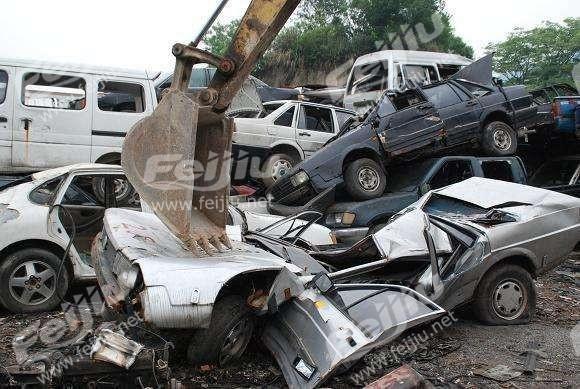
[[32, 283], [368, 179], [236, 341], [280, 168], [502, 139], [509, 300]]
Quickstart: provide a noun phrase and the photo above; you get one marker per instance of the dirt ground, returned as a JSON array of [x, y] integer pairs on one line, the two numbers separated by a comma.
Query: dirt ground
[[453, 358]]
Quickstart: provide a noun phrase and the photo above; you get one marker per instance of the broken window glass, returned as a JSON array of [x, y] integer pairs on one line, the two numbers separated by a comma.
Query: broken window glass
[[47, 90], [446, 71], [369, 78], [342, 117], [452, 172], [3, 85], [565, 90], [442, 96], [498, 170], [475, 89], [83, 192], [407, 99], [316, 119], [116, 96], [286, 118]]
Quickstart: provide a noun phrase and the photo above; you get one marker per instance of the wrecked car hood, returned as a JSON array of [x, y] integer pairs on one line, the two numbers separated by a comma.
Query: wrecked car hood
[[404, 237]]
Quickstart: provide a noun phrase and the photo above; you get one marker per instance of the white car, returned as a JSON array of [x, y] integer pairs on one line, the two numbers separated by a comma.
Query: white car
[[39, 212], [286, 133]]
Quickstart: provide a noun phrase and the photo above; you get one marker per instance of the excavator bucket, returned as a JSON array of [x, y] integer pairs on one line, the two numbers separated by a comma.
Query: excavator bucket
[[179, 158]]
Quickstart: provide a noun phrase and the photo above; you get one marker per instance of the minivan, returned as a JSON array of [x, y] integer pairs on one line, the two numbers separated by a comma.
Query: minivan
[[53, 114], [396, 70]]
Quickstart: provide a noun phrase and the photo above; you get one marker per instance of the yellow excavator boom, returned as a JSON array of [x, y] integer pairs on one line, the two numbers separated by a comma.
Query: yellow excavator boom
[[178, 159]]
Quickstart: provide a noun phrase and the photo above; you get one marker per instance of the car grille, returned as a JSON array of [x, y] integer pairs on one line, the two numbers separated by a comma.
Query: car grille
[[282, 188]]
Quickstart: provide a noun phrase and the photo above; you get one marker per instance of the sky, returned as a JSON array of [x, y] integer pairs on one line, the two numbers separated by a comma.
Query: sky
[[139, 34]]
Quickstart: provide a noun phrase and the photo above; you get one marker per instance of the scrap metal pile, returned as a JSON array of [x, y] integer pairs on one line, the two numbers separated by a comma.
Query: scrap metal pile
[[317, 307]]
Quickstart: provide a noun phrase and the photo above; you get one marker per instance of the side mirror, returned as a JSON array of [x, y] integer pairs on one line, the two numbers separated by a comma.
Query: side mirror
[[323, 283], [498, 81]]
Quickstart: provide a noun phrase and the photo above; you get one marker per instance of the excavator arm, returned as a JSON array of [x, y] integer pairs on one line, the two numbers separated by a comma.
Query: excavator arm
[[178, 159]]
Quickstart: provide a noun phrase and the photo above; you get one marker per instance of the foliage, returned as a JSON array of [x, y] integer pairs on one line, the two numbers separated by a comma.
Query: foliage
[[329, 33], [540, 56]]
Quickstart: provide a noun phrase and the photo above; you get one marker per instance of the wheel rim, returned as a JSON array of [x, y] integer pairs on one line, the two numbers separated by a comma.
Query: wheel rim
[[121, 187], [502, 139], [236, 341], [509, 299], [32, 283], [280, 168], [368, 179]]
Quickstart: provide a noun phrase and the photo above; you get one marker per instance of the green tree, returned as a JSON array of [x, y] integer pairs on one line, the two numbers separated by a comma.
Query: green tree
[[540, 56], [219, 37], [330, 34]]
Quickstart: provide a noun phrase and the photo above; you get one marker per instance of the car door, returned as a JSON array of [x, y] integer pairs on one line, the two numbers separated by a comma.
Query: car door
[[459, 111], [316, 125], [415, 125], [52, 119], [6, 101], [120, 103]]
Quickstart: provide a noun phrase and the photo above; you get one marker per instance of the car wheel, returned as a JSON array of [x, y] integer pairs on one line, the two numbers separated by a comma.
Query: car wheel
[[276, 167], [506, 295], [228, 335], [28, 281], [365, 179], [125, 194], [499, 139]]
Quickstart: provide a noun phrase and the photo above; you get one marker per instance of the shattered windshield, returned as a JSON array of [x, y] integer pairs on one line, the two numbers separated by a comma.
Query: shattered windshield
[[369, 78], [449, 207]]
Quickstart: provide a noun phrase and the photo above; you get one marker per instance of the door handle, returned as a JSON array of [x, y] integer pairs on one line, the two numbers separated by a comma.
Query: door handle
[[3, 119], [471, 103], [26, 122], [304, 134]]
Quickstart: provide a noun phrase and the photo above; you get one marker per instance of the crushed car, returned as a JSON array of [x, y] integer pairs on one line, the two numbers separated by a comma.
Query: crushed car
[[39, 214], [351, 221], [478, 242], [465, 111]]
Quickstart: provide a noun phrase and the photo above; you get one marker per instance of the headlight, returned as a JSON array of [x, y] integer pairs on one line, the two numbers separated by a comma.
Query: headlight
[[299, 178], [344, 218], [304, 369], [128, 278]]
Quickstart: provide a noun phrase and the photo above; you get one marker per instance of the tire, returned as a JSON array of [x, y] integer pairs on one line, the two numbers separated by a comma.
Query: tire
[[214, 344], [499, 140], [276, 167], [493, 307], [38, 294], [365, 179], [125, 194]]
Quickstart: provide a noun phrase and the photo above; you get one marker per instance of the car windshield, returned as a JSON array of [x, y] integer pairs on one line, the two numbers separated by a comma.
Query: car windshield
[[555, 173], [10, 183], [409, 177]]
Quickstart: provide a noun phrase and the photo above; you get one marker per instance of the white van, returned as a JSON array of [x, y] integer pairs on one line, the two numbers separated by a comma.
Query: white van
[[53, 115], [396, 70]]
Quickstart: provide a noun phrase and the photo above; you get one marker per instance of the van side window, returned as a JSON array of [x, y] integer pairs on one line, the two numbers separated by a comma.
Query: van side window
[[498, 170], [116, 96], [369, 78], [3, 85], [419, 75], [286, 118], [45, 90]]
